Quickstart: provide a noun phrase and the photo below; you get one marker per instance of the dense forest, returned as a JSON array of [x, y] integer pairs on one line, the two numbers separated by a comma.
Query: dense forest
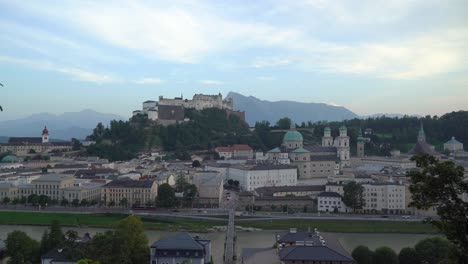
[[213, 127]]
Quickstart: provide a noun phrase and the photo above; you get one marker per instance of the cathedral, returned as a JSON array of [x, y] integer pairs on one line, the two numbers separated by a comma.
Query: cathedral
[[314, 162]]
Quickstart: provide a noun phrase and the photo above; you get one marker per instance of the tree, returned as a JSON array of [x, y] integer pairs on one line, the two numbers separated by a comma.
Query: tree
[[440, 184], [190, 192], [353, 195], [196, 164], [75, 202], [230, 182], [166, 196], [87, 261], [64, 202], [84, 202], [284, 123], [130, 238], [31, 151], [385, 255], [432, 250], [181, 183], [21, 248], [33, 199], [76, 144], [236, 183], [123, 202], [362, 255], [6, 200], [43, 200], [408, 255], [52, 238]]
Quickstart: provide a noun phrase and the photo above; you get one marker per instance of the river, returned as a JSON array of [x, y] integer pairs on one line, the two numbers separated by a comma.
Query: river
[[256, 239]]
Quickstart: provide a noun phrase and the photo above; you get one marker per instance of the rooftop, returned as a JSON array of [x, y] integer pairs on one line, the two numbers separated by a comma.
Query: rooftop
[[293, 135], [312, 253], [269, 191], [53, 177], [127, 183], [329, 194], [181, 241]]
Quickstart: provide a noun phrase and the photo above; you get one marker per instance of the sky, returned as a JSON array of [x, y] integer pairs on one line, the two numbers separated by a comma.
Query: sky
[[369, 56]]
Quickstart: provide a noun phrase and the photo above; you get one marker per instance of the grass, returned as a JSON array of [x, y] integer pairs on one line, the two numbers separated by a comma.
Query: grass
[[164, 223], [345, 226], [101, 220]]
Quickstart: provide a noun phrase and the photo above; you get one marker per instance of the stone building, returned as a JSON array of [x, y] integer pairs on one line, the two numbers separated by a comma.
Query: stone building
[[135, 192], [169, 111], [330, 202], [181, 248], [453, 145], [385, 197], [239, 151], [421, 146], [210, 189], [22, 146], [313, 161]]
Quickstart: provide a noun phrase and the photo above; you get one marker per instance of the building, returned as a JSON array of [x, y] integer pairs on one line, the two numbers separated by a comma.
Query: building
[[133, 192], [239, 151], [300, 247], [50, 185], [421, 146], [22, 146], [361, 143], [453, 145], [181, 248], [385, 197], [330, 202], [169, 111], [260, 174], [300, 190], [313, 162], [89, 191], [210, 189]]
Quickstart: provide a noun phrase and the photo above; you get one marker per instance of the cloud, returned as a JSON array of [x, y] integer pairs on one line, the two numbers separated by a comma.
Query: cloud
[[149, 81], [74, 73], [210, 82]]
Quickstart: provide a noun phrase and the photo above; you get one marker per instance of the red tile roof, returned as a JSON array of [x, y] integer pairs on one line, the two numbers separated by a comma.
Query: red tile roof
[[235, 147]]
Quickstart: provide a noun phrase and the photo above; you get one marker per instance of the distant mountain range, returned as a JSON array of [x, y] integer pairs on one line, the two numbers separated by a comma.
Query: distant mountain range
[[64, 126], [258, 110], [387, 115]]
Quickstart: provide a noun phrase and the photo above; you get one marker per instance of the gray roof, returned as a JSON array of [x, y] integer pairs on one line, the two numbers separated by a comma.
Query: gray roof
[[181, 241], [25, 140], [421, 147], [53, 177], [311, 253], [320, 149], [127, 183], [329, 194], [323, 158], [453, 141], [269, 191]]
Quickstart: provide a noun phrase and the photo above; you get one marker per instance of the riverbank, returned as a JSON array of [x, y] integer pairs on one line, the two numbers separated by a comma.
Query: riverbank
[[173, 224]]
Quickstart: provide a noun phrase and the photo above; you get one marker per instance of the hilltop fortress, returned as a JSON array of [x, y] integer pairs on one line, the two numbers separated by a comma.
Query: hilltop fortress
[[170, 111]]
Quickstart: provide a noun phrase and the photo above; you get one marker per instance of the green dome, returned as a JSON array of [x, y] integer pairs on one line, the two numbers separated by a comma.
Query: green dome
[[343, 128], [292, 135], [9, 159], [327, 129]]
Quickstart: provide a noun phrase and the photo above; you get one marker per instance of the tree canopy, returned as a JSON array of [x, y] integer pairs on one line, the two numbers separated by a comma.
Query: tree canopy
[[363, 255], [166, 196], [353, 195], [440, 184], [21, 248], [385, 255]]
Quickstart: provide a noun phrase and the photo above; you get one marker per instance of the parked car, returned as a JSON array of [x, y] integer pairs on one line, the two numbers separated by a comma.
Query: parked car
[[405, 216]]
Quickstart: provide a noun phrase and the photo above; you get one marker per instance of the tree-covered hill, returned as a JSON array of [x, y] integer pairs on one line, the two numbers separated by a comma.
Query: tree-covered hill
[[210, 128]]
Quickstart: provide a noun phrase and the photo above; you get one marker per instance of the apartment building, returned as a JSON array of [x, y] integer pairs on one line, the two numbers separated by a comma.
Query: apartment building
[[135, 192], [385, 197]]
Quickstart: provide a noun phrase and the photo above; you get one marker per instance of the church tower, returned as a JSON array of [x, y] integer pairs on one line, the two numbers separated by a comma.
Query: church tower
[[327, 140], [342, 145], [360, 145], [421, 134], [45, 135]]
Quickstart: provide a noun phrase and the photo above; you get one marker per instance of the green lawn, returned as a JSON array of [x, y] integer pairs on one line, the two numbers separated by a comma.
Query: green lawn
[[163, 223], [345, 226]]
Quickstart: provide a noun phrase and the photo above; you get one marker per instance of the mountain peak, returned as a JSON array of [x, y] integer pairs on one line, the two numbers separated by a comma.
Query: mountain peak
[[258, 110]]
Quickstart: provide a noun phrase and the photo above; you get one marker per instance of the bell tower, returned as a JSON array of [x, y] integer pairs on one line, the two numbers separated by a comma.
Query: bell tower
[[45, 135]]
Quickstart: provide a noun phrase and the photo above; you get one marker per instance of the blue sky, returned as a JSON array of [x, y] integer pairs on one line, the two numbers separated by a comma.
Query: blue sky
[[369, 56]]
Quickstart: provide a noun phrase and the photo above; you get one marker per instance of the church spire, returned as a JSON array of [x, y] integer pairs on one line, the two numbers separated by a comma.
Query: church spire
[[421, 134]]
